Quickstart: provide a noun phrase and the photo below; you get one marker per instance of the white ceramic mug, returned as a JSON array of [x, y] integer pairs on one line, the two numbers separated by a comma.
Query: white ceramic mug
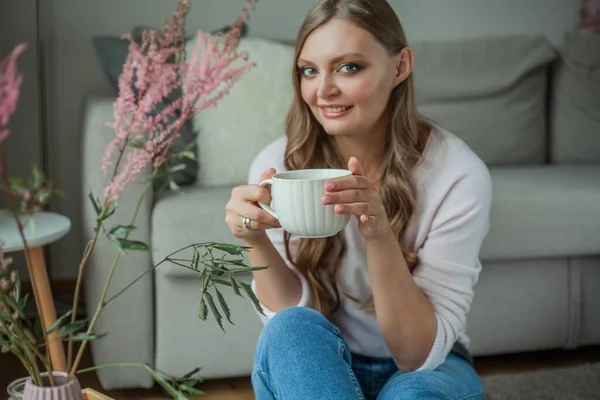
[[296, 202]]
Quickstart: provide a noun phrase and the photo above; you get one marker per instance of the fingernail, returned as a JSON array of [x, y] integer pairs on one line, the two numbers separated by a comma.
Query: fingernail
[[330, 186], [339, 209], [326, 200]]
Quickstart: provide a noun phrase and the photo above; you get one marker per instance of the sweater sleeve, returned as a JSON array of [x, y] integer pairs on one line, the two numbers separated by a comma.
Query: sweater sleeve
[[449, 263], [272, 157]]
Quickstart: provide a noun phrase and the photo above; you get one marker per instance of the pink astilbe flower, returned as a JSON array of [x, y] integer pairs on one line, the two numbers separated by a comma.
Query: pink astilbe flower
[[590, 16], [10, 87], [6, 281], [149, 75]]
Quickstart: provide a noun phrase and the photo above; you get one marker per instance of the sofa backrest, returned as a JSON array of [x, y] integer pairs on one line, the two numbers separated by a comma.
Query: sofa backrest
[[490, 91]]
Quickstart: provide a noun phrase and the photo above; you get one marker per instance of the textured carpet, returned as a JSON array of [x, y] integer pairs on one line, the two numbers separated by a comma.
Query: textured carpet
[[571, 383]]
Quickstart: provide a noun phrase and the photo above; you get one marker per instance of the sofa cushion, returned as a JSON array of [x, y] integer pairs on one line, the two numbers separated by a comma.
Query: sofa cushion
[[178, 220], [249, 117], [544, 211], [575, 123], [491, 92]]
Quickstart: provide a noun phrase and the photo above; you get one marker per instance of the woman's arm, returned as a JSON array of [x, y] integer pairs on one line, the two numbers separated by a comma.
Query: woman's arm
[[278, 286], [420, 315]]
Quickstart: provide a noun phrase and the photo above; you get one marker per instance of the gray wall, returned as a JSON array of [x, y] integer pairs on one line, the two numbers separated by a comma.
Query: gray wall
[[73, 69]]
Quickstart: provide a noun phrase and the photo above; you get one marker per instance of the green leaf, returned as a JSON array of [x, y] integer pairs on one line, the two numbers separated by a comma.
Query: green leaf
[[174, 186], [221, 281], [59, 322], [248, 290], [96, 203], [43, 195], [37, 178], [122, 229], [177, 168], [224, 306], [138, 144], [14, 306], [127, 244], [164, 384], [188, 154], [191, 390], [214, 310], [239, 263], [246, 269], [203, 312], [235, 286], [117, 244], [229, 248], [195, 258], [112, 207], [71, 327], [80, 337], [191, 373]]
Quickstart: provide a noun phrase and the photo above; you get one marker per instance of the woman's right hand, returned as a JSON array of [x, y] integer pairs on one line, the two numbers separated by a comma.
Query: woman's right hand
[[242, 205]]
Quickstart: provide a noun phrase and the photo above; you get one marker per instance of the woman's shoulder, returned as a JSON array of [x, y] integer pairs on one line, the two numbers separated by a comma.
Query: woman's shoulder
[[271, 156], [449, 163]]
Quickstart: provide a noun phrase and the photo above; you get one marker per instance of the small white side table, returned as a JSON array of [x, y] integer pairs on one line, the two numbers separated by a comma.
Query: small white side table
[[40, 229]]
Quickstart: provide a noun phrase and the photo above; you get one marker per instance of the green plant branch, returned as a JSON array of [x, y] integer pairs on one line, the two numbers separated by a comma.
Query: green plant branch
[[113, 267], [32, 277], [88, 250]]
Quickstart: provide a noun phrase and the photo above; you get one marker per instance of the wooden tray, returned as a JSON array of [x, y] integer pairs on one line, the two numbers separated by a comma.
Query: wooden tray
[[91, 394]]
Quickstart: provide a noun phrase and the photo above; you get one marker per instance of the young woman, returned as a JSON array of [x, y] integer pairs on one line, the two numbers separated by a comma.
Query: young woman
[[379, 310]]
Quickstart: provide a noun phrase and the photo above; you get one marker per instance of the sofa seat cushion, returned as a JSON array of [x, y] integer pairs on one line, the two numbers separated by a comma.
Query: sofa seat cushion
[[544, 211], [195, 216]]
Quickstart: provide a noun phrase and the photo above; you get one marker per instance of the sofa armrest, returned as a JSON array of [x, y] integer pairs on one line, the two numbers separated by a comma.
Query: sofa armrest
[[129, 320]]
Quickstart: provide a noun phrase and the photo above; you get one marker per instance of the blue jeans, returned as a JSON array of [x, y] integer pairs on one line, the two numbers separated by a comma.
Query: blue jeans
[[301, 355]]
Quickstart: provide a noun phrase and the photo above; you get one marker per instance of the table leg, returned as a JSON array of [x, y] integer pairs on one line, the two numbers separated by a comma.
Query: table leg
[[46, 303]]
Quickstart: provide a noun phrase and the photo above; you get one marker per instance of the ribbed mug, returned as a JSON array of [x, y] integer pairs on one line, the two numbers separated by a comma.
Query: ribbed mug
[[296, 202]]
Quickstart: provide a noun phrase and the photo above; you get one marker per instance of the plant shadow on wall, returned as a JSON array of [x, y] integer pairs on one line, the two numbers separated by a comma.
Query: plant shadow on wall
[[143, 141]]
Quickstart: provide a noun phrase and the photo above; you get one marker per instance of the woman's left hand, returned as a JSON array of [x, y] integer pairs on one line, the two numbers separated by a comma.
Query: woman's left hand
[[356, 195]]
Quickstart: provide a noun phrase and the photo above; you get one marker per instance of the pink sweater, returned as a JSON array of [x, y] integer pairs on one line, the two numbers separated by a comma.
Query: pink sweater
[[450, 222]]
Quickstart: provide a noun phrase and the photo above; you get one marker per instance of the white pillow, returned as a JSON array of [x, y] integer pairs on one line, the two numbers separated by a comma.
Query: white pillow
[[251, 116]]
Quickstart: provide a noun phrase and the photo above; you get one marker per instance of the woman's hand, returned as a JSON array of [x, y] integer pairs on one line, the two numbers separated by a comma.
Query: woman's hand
[[356, 195], [241, 205]]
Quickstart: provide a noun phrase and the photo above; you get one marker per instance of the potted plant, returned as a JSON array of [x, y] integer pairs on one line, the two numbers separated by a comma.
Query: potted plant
[[141, 139]]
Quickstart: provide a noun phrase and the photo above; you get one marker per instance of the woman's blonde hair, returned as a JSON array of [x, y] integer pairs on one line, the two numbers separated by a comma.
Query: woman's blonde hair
[[308, 146]]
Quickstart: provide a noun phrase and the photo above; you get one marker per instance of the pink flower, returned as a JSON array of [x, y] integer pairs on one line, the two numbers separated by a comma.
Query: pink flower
[[6, 284], [10, 87], [148, 76], [590, 16]]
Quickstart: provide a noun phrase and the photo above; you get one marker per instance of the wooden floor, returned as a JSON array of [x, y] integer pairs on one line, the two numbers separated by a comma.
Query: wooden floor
[[240, 389]]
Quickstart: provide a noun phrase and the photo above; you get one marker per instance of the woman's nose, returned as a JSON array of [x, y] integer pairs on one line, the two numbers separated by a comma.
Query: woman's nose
[[327, 88]]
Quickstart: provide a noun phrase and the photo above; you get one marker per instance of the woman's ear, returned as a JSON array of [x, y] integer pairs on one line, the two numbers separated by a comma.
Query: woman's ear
[[404, 65]]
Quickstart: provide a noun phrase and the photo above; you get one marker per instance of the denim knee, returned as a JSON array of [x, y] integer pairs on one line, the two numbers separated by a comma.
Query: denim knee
[[297, 323], [423, 385], [294, 330]]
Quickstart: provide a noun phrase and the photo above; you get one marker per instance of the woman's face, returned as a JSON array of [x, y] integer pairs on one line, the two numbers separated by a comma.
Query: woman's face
[[346, 77]]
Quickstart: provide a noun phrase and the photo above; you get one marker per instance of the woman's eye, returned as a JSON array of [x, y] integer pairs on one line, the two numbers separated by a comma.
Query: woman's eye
[[349, 68], [308, 71]]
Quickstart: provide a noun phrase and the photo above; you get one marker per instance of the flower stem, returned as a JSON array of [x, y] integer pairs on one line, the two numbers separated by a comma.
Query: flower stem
[[144, 274], [113, 267], [88, 250]]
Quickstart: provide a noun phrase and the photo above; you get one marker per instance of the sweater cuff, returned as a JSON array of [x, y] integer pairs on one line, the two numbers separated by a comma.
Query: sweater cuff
[[303, 302], [441, 347]]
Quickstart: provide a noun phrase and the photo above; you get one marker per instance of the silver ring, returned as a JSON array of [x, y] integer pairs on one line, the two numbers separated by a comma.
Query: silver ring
[[246, 223]]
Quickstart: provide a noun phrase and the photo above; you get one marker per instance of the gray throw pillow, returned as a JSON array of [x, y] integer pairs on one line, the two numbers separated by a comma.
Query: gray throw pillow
[[111, 52], [575, 118]]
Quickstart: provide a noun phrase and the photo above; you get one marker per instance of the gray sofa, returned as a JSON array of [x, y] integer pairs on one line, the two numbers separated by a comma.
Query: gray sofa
[[530, 110]]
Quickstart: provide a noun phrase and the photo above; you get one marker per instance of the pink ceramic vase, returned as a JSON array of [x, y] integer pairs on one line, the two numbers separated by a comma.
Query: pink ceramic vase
[[62, 390]]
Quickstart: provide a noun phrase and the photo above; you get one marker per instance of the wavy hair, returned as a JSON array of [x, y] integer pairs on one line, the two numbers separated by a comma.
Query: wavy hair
[[308, 146]]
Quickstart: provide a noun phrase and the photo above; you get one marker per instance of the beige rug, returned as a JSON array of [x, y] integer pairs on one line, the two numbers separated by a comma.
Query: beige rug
[[572, 383]]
